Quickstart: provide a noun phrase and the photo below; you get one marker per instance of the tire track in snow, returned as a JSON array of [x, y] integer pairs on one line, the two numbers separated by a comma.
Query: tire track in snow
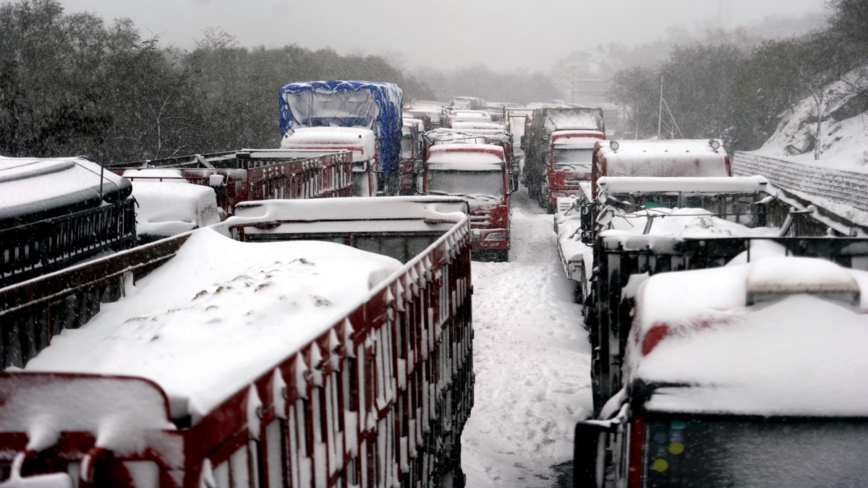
[[531, 358]]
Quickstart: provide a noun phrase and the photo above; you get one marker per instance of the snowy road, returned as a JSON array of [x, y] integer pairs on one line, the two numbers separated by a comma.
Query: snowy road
[[531, 358]]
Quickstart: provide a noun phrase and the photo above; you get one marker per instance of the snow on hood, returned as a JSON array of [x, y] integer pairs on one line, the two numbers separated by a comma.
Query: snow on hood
[[800, 352], [681, 222], [171, 208], [361, 142], [218, 315], [716, 184]]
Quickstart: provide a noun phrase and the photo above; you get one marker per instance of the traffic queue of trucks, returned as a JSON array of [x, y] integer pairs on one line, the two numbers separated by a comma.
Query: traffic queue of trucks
[[373, 383], [698, 377]]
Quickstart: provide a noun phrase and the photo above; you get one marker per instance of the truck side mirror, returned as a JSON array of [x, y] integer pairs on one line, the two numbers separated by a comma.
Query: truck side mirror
[[510, 177], [589, 448]]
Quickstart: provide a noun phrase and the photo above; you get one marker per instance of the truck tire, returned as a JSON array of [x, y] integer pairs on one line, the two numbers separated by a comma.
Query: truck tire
[[501, 256]]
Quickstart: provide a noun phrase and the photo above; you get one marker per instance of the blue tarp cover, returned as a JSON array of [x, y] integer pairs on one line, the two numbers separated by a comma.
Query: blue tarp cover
[[335, 103]]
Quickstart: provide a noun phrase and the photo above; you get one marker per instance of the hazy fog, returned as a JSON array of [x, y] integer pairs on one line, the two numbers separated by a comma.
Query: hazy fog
[[503, 34]]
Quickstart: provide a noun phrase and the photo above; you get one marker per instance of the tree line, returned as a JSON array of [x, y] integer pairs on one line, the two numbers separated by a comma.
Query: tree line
[[724, 88], [70, 84]]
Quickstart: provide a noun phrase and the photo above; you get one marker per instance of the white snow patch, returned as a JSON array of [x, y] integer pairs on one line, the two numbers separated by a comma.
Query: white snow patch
[[802, 354], [171, 208], [531, 359]]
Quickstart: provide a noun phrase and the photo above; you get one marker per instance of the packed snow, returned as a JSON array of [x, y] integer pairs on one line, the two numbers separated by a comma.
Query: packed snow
[[171, 208], [531, 358], [797, 351], [215, 317]]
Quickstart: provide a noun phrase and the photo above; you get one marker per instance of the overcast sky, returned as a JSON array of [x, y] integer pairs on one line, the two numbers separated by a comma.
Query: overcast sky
[[504, 34]]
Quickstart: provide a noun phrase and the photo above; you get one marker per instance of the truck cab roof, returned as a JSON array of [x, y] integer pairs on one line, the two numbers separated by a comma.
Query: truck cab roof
[[562, 136], [466, 157], [778, 336], [361, 142]]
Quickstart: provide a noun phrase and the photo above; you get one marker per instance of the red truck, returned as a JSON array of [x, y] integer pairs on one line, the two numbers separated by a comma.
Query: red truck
[[748, 374], [496, 136], [569, 163], [544, 127], [253, 174], [480, 174], [232, 357]]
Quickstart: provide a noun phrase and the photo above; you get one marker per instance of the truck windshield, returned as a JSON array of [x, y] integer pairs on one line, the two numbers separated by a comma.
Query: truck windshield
[[794, 453], [473, 184], [573, 159]]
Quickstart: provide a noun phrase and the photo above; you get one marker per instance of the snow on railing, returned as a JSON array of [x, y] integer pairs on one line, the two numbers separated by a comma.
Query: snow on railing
[[834, 188]]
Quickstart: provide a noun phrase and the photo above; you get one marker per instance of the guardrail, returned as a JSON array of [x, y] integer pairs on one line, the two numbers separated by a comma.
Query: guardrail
[[836, 186]]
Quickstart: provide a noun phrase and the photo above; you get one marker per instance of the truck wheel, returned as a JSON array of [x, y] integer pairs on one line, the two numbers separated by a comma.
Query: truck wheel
[[501, 256]]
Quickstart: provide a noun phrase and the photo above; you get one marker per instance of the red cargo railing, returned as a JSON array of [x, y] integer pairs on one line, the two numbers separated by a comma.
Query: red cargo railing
[[378, 399], [256, 174]]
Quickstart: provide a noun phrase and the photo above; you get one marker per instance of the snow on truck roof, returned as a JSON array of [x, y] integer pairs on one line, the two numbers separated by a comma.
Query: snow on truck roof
[[664, 158], [207, 323], [577, 136], [493, 126], [466, 157], [36, 188], [361, 142], [776, 336], [737, 184]]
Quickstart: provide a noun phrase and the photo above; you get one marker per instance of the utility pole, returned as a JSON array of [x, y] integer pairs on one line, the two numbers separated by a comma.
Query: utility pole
[[660, 112]]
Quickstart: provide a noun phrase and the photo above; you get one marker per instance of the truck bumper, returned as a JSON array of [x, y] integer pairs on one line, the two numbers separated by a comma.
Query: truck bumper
[[490, 239]]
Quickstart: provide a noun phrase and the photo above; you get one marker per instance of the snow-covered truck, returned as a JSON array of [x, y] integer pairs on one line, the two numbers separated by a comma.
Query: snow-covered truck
[[569, 161], [478, 173], [750, 374], [368, 105], [234, 357], [56, 212], [635, 239], [361, 143], [548, 125], [412, 147], [252, 174], [481, 133]]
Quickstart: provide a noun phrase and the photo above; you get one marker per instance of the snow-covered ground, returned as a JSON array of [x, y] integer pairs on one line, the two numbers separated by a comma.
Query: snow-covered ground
[[531, 358]]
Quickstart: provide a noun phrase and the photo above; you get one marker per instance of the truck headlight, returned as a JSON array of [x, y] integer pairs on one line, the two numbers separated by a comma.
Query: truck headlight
[[495, 236]]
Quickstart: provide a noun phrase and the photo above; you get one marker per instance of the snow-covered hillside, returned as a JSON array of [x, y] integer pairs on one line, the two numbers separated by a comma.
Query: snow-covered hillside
[[844, 134]]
